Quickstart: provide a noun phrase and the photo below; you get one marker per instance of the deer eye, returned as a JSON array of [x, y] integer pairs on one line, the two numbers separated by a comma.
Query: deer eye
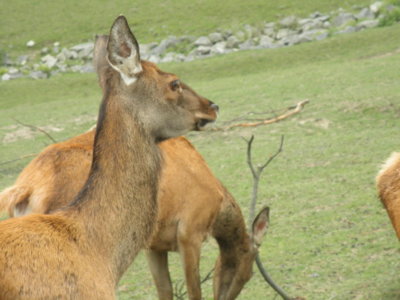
[[175, 85]]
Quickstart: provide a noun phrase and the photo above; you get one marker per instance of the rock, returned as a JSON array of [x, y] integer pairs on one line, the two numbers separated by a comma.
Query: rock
[[348, 29], [251, 32], [269, 31], [322, 35], [247, 45], [375, 7], [146, 49], [7, 61], [299, 39], [61, 67], [81, 47], [154, 58], [86, 53], [22, 60], [169, 42], [390, 7], [86, 68], [365, 13], [215, 37], [368, 23], [343, 18], [315, 15], [226, 34], [172, 56], [13, 71], [241, 36], [30, 43], [312, 24], [232, 42], [266, 42], [288, 22], [284, 33], [5, 77], [49, 61], [269, 25], [56, 44], [71, 54], [218, 48], [169, 57], [44, 51], [203, 41], [202, 50], [38, 75], [62, 56]]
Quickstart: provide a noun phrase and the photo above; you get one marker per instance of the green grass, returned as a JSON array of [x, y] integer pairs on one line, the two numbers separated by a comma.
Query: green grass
[[329, 236], [76, 21]]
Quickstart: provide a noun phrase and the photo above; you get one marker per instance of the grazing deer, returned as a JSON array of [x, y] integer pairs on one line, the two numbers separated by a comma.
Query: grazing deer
[[71, 254], [192, 204], [388, 184]]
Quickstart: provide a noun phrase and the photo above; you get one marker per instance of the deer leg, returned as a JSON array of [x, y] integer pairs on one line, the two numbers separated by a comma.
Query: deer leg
[[189, 249], [158, 264]]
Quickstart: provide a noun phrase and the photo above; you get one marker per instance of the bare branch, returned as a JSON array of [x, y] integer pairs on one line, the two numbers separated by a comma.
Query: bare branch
[[268, 279], [257, 174], [249, 160], [291, 111], [36, 128], [273, 156], [256, 180], [179, 290], [208, 276]]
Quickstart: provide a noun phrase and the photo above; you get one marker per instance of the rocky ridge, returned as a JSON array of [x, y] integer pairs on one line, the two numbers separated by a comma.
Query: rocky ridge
[[288, 31]]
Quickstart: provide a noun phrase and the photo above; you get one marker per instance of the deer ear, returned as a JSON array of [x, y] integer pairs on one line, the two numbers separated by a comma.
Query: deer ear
[[100, 59], [123, 51], [260, 225]]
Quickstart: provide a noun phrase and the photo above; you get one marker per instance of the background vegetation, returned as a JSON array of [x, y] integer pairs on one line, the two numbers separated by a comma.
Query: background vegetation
[[329, 236]]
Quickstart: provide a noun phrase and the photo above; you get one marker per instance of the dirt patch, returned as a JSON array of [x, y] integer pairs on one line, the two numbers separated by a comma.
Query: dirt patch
[[24, 133]]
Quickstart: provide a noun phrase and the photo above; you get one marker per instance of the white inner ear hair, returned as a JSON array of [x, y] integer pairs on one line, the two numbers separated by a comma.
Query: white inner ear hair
[[129, 69]]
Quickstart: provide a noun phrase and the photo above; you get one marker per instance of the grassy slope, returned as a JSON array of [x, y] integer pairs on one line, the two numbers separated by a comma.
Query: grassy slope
[[73, 21], [329, 236]]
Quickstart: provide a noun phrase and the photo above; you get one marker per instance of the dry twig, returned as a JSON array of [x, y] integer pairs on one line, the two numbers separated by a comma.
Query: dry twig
[[179, 290], [36, 128], [256, 173], [290, 112]]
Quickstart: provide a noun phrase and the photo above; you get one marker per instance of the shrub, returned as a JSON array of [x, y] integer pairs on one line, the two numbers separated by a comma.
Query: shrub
[[390, 17]]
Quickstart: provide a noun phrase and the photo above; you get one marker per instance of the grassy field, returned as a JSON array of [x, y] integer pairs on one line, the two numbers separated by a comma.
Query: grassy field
[[329, 237], [77, 21]]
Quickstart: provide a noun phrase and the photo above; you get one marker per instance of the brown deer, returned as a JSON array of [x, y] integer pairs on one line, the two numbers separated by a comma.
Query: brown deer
[[388, 184], [192, 204], [71, 254]]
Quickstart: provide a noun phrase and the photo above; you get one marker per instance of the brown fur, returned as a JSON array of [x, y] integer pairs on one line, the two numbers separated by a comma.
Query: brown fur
[[388, 184], [192, 205], [70, 254]]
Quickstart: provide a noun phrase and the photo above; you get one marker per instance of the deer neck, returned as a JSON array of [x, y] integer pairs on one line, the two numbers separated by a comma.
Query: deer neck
[[119, 198]]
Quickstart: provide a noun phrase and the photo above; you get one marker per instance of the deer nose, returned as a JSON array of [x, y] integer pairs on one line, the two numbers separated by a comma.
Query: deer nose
[[214, 107]]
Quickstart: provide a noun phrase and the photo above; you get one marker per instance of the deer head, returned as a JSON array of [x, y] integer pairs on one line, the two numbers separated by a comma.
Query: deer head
[[174, 108], [233, 270]]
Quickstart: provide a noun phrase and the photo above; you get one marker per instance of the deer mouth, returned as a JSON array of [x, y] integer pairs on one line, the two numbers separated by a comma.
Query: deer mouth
[[201, 123]]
